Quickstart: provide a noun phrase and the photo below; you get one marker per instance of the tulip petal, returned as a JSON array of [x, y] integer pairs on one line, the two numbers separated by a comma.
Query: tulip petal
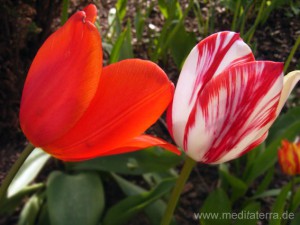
[[290, 80], [145, 141], [208, 59], [131, 96], [255, 142], [234, 111], [91, 13], [62, 80], [289, 157], [137, 143]]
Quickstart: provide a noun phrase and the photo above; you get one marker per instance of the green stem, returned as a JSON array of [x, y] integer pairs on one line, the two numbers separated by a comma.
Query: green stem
[[236, 13], [292, 53], [13, 171], [64, 14], [184, 175], [293, 187], [250, 33]]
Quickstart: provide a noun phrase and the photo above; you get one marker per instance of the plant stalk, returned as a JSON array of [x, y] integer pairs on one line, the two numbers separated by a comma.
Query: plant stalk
[[236, 14], [184, 175], [64, 14], [291, 55]]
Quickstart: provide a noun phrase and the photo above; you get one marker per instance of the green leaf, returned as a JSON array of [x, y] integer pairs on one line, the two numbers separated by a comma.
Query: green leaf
[[123, 47], [248, 215], [107, 47], [264, 184], [181, 44], [140, 18], [251, 157], [28, 171], [127, 208], [296, 219], [11, 203], [279, 205], [239, 187], [267, 193], [282, 122], [216, 209], [163, 7], [114, 25], [44, 218], [121, 7], [30, 211], [75, 199], [149, 160], [296, 201], [170, 9], [154, 211], [127, 187], [154, 178], [139, 23]]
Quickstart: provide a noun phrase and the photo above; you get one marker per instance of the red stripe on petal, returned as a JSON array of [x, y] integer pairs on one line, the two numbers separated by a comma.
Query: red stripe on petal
[[233, 109], [208, 59], [212, 52], [254, 144]]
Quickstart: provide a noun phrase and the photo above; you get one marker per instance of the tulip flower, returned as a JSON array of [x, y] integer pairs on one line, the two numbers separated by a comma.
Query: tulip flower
[[75, 109], [225, 101], [289, 157]]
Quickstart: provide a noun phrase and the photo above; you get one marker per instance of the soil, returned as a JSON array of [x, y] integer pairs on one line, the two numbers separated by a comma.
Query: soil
[[25, 24]]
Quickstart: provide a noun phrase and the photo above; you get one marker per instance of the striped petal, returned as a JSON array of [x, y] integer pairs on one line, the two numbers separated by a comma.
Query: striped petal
[[207, 60], [62, 80], [131, 96], [234, 111]]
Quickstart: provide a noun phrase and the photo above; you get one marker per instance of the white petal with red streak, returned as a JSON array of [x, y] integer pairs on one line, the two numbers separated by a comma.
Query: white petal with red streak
[[234, 110], [206, 60]]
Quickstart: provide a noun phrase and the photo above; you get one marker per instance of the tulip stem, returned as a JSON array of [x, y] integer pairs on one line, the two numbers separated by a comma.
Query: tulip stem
[[184, 175], [13, 171], [291, 55], [293, 191]]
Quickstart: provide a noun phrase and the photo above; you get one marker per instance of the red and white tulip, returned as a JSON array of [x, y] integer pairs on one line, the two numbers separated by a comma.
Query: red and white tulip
[[225, 101]]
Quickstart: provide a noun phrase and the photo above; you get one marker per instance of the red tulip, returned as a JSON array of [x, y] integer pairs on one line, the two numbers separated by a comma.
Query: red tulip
[[289, 157], [74, 109], [225, 101]]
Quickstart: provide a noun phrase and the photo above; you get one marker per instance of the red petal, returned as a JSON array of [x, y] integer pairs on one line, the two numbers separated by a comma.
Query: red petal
[[62, 81], [234, 110], [131, 96], [138, 143], [91, 13], [145, 141]]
